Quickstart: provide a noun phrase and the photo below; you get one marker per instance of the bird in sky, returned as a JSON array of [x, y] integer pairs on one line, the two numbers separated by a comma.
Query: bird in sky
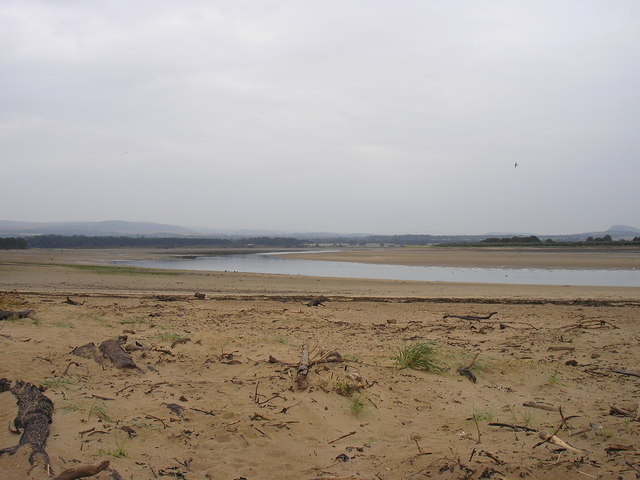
[[515, 165]]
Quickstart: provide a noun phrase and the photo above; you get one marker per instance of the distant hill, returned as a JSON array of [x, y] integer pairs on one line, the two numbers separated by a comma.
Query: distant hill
[[118, 228], [99, 229]]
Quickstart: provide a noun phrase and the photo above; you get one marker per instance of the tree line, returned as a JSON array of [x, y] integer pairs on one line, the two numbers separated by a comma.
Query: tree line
[[81, 241]]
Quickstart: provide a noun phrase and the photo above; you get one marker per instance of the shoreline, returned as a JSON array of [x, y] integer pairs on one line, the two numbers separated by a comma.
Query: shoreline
[[86, 271]]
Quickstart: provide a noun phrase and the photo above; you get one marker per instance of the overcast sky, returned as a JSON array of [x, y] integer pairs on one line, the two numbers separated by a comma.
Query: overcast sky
[[342, 116]]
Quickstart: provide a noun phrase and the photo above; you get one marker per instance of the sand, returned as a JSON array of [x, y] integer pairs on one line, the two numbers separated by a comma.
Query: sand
[[242, 416]]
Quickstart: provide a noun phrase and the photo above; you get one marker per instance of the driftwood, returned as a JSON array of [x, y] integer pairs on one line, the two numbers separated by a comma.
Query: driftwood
[[89, 351], [315, 302], [471, 317], [68, 301], [114, 352], [6, 314], [466, 370], [625, 372], [303, 369], [34, 417], [545, 437], [83, 471]]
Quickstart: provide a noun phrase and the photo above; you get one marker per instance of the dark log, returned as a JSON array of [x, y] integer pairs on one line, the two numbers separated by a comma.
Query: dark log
[[34, 417], [6, 314], [68, 301], [83, 471], [315, 302], [471, 317], [114, 352]]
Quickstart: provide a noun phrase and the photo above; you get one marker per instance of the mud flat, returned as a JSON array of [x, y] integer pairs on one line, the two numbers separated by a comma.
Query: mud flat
[[215, 394]]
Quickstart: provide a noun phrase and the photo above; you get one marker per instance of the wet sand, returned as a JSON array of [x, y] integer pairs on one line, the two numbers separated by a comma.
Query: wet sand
[[216, 395]]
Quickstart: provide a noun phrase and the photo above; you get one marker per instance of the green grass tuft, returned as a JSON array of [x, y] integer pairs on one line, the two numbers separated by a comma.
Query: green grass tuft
[[356, 405], [418, 356]]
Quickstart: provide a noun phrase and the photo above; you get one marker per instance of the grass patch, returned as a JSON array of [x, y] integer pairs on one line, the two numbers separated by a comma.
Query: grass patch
[[118, 452], [99, 411], [418, 356], [169, 337], [524, 418], [356, 405], [483, 416], [55, 382], [110, 270], [343, 388], [136, 322], [63, 325], [350, 357], [71, 407]]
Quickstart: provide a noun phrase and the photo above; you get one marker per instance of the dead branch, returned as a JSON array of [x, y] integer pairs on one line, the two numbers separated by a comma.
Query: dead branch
[[303, 369], [68, 301], [589, 324], [513, 427], [625, 372], [341, 437], [82, 471]]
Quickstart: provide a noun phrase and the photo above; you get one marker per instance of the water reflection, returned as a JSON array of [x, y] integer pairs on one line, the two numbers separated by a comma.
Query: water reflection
[[277, 264]]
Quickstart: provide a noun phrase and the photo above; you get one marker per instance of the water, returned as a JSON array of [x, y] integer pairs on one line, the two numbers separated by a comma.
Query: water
[[277, 264]]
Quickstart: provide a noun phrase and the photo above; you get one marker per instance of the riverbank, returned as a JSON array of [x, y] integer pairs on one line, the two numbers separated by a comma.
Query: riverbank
[[489, 257]]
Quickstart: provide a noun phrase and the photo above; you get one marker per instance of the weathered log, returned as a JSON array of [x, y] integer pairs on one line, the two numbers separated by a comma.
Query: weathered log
[[114, 352], [303, 369], [83, 471], [34, 416], [471, 317], [6, 314], [89, 351]]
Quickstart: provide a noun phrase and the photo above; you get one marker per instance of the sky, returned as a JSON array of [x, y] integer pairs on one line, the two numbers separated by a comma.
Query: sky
[[360, 116]]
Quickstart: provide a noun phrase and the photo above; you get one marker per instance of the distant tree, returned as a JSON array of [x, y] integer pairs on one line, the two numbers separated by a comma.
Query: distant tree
[[607, 238], [13, 243]]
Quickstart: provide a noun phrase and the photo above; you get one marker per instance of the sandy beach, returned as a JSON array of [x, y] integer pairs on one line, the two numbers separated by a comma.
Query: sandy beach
[[215, 393]]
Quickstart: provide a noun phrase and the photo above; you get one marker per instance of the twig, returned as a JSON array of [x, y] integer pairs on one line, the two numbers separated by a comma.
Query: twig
[[541, 406], [256, 428], [156, 418], [514, 427], [255, 395], [343, 436], [625, 372]]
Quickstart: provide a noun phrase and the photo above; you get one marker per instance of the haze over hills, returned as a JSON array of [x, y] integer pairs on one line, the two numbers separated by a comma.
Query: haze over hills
[[150, 229]]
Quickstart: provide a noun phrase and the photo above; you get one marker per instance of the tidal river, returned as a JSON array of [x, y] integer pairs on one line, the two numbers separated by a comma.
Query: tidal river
[[276, 263]]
